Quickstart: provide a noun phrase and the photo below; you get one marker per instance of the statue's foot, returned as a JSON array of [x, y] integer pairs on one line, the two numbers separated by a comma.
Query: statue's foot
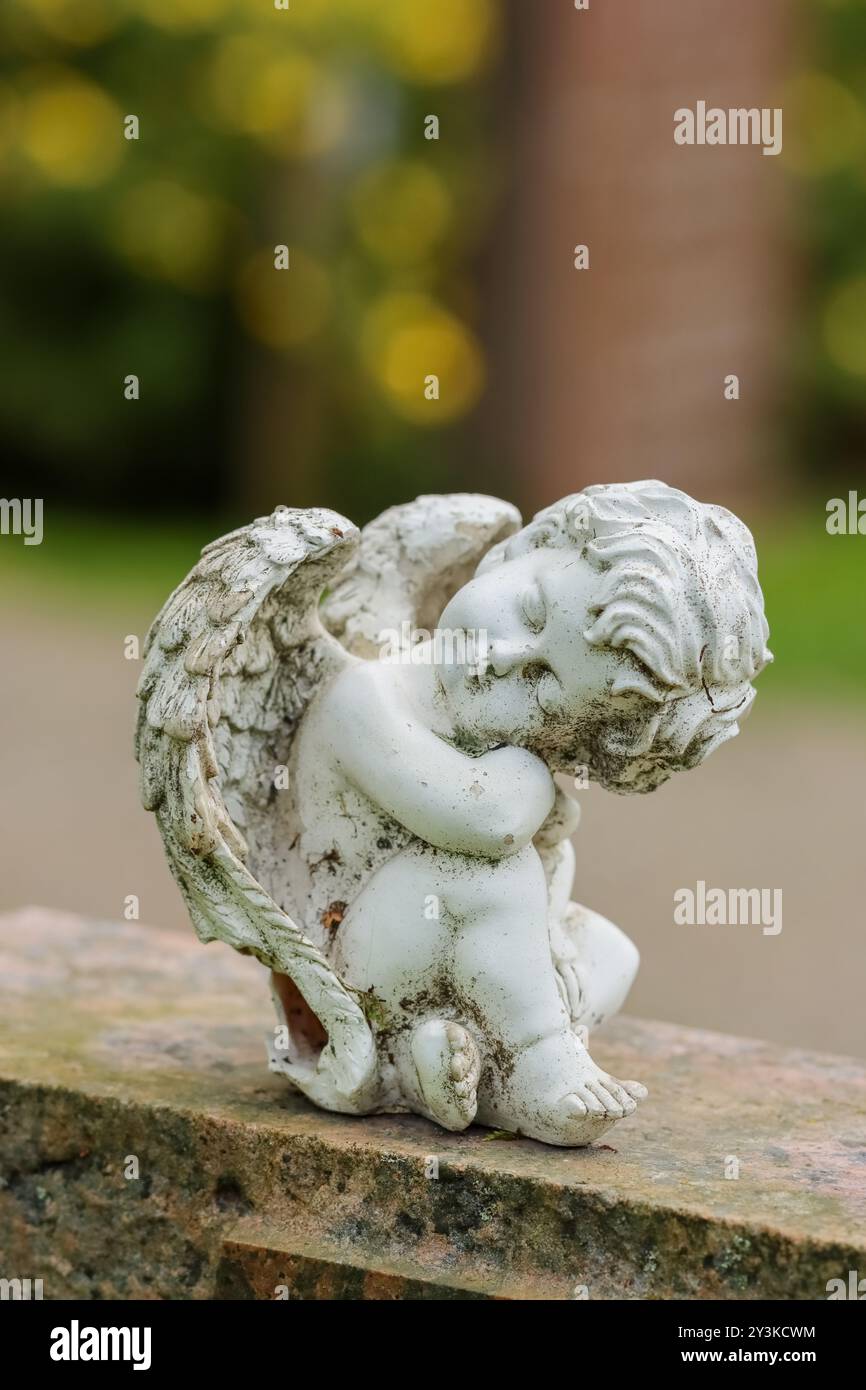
[[557, 1094], [448, 1066]]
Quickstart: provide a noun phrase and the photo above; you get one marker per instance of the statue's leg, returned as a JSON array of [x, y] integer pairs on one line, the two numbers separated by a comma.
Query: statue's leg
[[394, 945], [538, 1078], [441, 938]]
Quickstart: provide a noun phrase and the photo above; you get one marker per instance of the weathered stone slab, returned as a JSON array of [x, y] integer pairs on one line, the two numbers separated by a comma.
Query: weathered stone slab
[[121, 1042]]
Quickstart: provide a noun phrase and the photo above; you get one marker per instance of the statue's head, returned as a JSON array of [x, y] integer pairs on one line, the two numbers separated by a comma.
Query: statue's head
[[624, 627]]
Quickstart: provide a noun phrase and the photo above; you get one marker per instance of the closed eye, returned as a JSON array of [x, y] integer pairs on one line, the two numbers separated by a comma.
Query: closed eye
[[637, 679], [533, 608]]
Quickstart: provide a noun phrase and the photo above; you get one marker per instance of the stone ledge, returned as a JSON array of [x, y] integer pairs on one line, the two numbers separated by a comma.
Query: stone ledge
[[122, 1040]]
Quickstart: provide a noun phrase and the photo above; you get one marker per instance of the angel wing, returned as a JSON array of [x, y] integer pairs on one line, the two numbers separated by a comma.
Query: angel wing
[[229, 666], [412, 559]]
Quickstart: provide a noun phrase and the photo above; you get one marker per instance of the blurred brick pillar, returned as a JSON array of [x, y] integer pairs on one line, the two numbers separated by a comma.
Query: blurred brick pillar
[[617, 372]]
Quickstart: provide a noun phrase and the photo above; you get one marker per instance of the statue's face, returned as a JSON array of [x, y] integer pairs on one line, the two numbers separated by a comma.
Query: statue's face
[[543, 686]]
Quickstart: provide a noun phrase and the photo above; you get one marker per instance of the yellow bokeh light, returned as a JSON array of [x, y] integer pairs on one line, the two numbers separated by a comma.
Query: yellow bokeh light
[[79, 22], [825, 124], [845, 326], [401, 209], [183, 15], [71, 130], [306, 16], [232, 75], [448, 41], [409, 338], [252, 90], [277, 105], [172, 234], [284, 308]]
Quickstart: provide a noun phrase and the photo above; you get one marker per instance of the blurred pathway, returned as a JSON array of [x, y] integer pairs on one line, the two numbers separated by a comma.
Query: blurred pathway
[[780, 807]]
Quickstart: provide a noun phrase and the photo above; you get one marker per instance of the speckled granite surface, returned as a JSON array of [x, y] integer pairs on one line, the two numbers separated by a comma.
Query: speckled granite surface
[[121, 1042]]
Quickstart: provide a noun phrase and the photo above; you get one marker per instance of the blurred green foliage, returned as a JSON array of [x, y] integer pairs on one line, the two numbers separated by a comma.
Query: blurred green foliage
[[258, 126], [825, 147], [306, 127]]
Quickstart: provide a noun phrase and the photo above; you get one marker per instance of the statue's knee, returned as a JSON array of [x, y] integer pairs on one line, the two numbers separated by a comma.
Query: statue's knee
[[509, 886]]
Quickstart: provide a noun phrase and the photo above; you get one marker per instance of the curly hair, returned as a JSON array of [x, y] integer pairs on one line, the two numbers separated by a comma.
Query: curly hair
[[678, 590]]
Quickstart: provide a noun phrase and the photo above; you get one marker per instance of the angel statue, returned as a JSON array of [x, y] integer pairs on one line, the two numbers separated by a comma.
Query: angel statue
[[383, 829]]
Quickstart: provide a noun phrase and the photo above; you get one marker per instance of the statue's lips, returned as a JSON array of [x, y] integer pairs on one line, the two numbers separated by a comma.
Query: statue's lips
[[477, 683]]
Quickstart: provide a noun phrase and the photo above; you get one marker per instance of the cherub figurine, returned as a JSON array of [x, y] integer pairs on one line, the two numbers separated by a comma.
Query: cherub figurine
[[387, 835]]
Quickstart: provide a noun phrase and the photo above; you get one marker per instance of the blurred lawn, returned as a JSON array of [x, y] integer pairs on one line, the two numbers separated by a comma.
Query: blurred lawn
[[813, 585], [815, 599]]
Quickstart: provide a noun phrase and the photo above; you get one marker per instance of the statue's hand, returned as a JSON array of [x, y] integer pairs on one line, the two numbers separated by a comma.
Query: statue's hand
[[561, 823], [565, 964]]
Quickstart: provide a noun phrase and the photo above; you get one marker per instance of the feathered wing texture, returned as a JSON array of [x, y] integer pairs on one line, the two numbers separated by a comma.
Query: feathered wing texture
[[412, 559], [229, 666]]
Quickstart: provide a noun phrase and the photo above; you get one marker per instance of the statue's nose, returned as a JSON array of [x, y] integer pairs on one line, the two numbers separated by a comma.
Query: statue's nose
[[504, 656]]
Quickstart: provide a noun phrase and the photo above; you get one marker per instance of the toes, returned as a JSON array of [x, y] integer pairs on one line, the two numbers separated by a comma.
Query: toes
[[620, 1095], [594, 1105], [465, 1088], [573, 1105], [459, 1066], [600, 1090], [447, 1067], [635, 1090], [464, 1060]]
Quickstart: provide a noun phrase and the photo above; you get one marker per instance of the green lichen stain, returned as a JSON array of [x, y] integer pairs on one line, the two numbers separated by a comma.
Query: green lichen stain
[[375, 1010]]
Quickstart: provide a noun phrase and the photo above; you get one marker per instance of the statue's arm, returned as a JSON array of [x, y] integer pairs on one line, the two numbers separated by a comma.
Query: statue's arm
[[562, 822], [491, 805]]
